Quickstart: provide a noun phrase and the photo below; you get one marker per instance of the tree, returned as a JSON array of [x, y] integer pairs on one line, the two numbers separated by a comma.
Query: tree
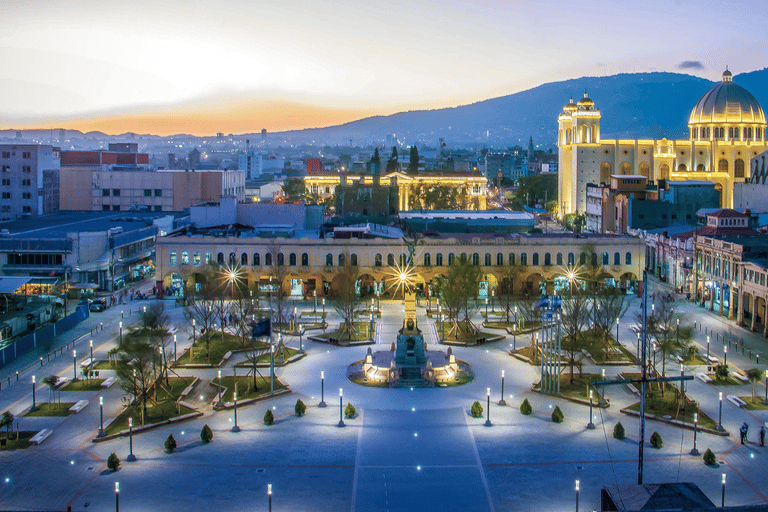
[[51, 381], [754, 375], [344, 296], [138, 360], [508, 282], [300, 408], [552, 207], [6, 420], [532, 189], [661, 325], [574, 315], [476, 411], [457, 291], [170, 444], [154, 317], [113, 462], [206, 434], [294, 190], [618, 431], [201, 307], [393, 164], [278, 272], [350, 411], [376, 160], [557, 415], [526, 408], [611, 305], [269, 418], [413, 164], [722, 372], [656, 440]]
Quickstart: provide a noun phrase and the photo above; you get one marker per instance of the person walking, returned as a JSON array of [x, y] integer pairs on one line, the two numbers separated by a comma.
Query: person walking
[[762, 435], [742, 433]]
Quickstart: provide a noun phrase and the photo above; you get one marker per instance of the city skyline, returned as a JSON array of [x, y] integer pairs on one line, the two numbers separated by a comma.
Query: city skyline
[[170, 68]]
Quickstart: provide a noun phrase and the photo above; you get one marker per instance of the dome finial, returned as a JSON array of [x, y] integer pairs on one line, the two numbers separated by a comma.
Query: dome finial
[[585, 93], [727, 75]]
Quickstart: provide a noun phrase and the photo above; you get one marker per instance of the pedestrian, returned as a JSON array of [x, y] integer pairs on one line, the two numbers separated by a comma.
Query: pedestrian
[[742, 434], [762, 435]]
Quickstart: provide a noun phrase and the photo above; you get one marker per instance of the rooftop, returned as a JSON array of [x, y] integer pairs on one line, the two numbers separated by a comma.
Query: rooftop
[[57, 225]]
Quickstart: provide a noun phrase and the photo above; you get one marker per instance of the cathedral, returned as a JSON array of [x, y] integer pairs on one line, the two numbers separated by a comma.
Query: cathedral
[[726, 129]]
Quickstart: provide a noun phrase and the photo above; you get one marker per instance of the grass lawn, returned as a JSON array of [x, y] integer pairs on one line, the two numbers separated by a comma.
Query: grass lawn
[[361, 332], [83, 385], [105, 365], [462, 336], [319, 314], [165, 408], [580, 386], [245, 387], [695, 361], [17, 441], [668, 405], [503, 324], [754, 405], [730, 381], [264, 358], [54, 409], [217, 348]]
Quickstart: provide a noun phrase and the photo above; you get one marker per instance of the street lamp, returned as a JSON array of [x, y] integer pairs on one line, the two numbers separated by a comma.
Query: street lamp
[[323, 308], [121, 334], [314, 310], [91, 346], [695, 452], [678, 332], [117, 496], [720, 415], [131, 457], [322, 389], [269, 493], [295, 321], [590, 425], [74, 365], [725, 355], [271, 368], [219, 404], [514, 336], [488, 406], [235, 428], [722, 500], [577, 496], [372, 326], [502, 402], [101, 417], [341, 401], [707, 348], [193, 334], [174, 349], [34, 402], [486, 309], [617, 330]]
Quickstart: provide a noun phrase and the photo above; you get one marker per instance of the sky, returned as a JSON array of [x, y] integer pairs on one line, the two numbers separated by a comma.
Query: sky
[[237, 66]]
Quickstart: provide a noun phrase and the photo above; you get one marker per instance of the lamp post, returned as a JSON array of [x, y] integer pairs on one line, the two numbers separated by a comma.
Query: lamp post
[[617, 330], [131, 457], [323, 308], [121, 334], [193, 333], [707, 348], [322, 389], [90, 343], [590, 425], [720, 415], [101, 417], [314, 310], [514, 336], [502, 402], [269, 494], [725, 355], [134, 385], [341, 403], [577, 496], [234, 397], [219, 404], [488, 406], [722, 499], [117, 496], [34, 401], [271, 368], [695, 452], [486, 309], [682, 387], [74, 366], [371, 329], [295, 321], [678, 332]]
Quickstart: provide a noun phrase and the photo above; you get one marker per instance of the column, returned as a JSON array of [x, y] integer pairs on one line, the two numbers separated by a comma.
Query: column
[[754, 314], [740, 315], [722, 298], [712, 294], [765, 320], [731, 303]]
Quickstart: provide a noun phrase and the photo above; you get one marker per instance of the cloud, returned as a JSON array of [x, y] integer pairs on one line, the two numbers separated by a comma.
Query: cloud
[[690, 64]]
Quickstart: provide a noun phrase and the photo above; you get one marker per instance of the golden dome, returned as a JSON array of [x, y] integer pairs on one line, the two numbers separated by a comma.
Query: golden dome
[[585, 102], [727, 103], [570, 107]]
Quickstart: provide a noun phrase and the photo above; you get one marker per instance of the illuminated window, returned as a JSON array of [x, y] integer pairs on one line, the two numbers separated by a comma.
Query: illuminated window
[[184, 258], [172, 258]]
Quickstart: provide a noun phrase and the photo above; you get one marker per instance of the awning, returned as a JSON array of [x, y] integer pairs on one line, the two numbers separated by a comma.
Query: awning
[[9, 284]]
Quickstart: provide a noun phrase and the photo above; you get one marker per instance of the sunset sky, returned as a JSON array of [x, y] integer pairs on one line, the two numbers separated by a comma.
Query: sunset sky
[[168, 66]]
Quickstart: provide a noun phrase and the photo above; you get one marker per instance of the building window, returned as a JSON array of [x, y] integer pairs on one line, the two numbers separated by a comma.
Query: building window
[[628, 258], [511, 258], [26, 209], [617, 258], [488, 259], [232, 259], [26, 195], [559, 259], [605, 259], [427, 260], [172, 258], [499, 259], [116, 192], [547, 259], [280, 259], [196, 258], [342, 261], [292, 259], [6, 182], [377, 260], [6, 195], [26, 182], [115, 207], [6, 154], [105, 208], [738, 168], [390, 260], [256, 259], [244, 259], [450, 258], [26, 154], [535, 259], [105, 192], [304, 259], [329, 260], [26, 168], [353, 260], [147, 192], [439, 259], [524, 259], [403, 260], [158, 192], [220, 258], [158, 208], [475, 258], [208, 258]]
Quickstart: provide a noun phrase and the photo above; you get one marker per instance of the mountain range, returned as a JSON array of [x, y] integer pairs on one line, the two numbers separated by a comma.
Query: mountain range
[[633, 105]]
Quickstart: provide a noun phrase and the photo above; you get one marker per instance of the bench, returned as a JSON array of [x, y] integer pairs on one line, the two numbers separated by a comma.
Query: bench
[[740, 376], [85, 363], [62, 382], [738, 402], [227, 356], [41, 436], [713, 359], [703, 377], [677, 358], [79, 406], [108, 383], [633, 389]]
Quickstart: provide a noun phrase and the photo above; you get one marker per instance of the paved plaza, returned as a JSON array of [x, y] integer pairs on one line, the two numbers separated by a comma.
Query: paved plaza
[[405, 450]]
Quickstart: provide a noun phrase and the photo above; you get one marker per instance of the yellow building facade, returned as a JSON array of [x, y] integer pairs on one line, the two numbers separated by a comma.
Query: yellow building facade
[[474, 183], [726, 128]]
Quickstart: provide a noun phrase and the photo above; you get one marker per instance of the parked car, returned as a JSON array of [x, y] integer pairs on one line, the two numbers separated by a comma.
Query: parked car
[[97, 305]]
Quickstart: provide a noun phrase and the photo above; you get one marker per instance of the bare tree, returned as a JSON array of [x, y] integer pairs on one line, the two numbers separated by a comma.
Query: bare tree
[[508, 283], [344, 296], [201, 307], [611, 305], [136, 371], [278, 272], [574, 315], [457, 292]]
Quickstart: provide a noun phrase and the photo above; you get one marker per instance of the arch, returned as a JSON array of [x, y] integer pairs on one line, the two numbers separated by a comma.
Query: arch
[[682, 168], [535, 259], [377, 260], [488, 261], [511, 258], [547, 259], [594, 133], [645, 169], [571, 259], [605, 259], [533, 284], [268, 259], [403, 259], [427, 259], [439, 259], [722, 165], [628, 258], [583, 259], [593, 259], [353, 259], [583, 133], [738, 168], [367, 285], [499, 259], [605, 172], [625, 168], [524, 259], [256, 259], [304, 259], [329, 260], [701, 168], [292, 259], [244, 259], [390, 260], [559, 260], [451, 257], [342, 260], [280, 259], [617, 258], [475, 258], [664, 171], [220, 258], [232, 259]]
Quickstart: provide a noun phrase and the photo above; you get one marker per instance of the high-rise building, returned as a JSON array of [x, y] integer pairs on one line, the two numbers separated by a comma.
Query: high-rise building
[[22, 186]]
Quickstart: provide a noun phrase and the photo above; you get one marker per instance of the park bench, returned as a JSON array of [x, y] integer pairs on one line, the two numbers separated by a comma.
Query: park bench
[[85, 363], [677, 358], [631, 387], [107, 383], [703, 377], [227, 356], [79, 406], [740, 376], [62, 382], [738, 402], [713, 359], [41, 436]]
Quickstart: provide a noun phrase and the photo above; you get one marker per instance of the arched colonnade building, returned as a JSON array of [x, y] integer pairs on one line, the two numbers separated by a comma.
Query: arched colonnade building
[[726, 128], [310, 264]]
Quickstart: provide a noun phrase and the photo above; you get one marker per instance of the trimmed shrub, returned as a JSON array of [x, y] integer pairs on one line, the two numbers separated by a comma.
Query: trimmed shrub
[[656, 440], [557, 415], [206, 434], [709, 457], [170, 444], [525, 407], [300, 408], [350, 411], [618, 431], [477, 410], [113, 462], [269, 418], [721, 372]]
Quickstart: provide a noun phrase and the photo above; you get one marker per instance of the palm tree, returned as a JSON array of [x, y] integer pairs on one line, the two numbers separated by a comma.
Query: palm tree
[[6, 421], [754, 375], [51, 382]]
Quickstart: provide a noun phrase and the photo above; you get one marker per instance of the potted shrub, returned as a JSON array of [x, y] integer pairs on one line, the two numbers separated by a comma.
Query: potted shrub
[[350, 411], [269, 418], [170, 444], [300, 408], [526, 408], [477, 410], [618, 431], [113, 462], [206, 434], [557, 415]]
